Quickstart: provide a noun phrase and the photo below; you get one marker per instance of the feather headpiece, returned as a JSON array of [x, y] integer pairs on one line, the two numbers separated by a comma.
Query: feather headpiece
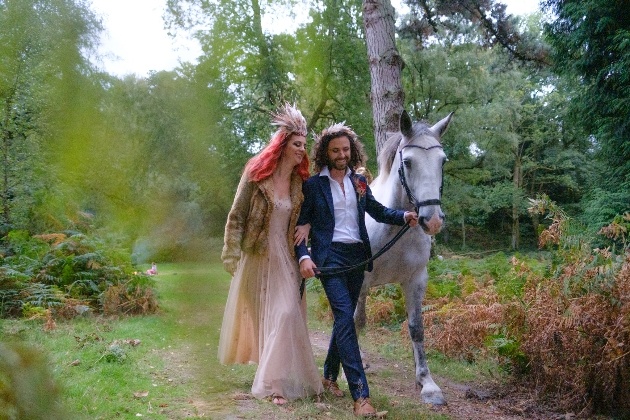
[[336, 130], [289, 120]]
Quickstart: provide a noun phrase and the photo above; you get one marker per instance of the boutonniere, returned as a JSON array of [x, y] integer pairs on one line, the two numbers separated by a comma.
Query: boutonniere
[[360, 186]]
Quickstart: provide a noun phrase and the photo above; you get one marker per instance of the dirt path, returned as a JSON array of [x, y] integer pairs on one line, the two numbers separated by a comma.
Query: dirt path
[[465, 402], [222, 392]]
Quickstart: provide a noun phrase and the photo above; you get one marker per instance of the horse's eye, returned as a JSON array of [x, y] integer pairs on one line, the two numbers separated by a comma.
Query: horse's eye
[[407, 163]]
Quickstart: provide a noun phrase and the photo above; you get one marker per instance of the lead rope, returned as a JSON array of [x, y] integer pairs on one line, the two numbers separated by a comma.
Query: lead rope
[[331, 271]]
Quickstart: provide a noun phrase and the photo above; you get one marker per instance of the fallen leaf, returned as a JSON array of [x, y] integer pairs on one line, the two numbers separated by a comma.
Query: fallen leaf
[[141, 394]]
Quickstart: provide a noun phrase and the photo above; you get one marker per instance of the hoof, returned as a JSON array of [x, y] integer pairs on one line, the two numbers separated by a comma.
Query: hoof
[[435, 398]]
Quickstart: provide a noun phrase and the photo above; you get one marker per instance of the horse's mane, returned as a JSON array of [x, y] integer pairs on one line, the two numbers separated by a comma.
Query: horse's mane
[[388, 152]]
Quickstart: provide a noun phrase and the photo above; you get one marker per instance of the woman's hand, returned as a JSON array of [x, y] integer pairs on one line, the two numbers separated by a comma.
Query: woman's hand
[[230, 265], [301, 233]]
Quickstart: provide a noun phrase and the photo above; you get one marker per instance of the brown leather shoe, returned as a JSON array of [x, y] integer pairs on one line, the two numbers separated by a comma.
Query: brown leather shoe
[[363, 408], [332, 387]]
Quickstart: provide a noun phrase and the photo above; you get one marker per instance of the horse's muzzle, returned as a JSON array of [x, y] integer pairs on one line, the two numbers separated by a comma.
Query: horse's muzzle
[[433, 225]]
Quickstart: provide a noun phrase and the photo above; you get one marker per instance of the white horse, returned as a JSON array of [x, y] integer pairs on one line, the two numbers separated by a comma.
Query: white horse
[[410, 178]]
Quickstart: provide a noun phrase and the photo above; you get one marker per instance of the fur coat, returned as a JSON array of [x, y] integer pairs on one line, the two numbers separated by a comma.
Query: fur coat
[[247, 226]]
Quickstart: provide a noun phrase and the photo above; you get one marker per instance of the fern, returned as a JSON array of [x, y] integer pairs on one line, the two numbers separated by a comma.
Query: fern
[[42, 295]]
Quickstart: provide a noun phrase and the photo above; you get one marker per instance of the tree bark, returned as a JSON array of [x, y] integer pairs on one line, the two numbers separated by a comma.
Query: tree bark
[[516, 182], [386, 64], [5, 145], [263, 50]]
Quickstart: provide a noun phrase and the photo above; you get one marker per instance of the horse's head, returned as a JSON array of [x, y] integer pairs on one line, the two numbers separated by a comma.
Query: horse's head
[[420, 159]]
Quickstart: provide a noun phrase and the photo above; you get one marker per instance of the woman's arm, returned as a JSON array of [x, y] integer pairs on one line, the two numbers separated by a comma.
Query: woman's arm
[[235, 225]]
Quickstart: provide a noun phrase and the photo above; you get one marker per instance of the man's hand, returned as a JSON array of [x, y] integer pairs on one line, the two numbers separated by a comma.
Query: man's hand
[[411, 217], [307, 268]]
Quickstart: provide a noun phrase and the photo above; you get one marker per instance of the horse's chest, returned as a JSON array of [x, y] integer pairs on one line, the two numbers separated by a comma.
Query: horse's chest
[[407, 256]]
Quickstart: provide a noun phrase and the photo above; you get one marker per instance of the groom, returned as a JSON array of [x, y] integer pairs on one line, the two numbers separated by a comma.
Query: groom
[[335, 202]]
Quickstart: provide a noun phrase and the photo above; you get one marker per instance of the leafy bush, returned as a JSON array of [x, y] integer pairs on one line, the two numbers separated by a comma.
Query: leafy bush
[[385, 305], [134, 296], [64, 271], [563, 325], [578, 319]]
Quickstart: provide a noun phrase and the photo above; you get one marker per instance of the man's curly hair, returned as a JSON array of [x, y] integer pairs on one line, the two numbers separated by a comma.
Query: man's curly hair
[[319, 153]]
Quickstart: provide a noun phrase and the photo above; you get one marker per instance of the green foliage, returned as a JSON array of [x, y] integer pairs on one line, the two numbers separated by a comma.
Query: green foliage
[[457, 277], [514, 360], [579, 32], [10, 302], [386, 305], [27, 388], [67, 271], [115, 353], [443, 288], [38, 295], [41, 68], [601, 205], [506, 139]]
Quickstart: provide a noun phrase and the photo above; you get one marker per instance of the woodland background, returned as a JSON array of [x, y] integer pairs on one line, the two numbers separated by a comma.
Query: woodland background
[[541, 107], [99, 174]]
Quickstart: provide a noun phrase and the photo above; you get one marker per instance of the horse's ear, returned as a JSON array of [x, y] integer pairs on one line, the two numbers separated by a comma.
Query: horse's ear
[[440, 127], [405, 124]]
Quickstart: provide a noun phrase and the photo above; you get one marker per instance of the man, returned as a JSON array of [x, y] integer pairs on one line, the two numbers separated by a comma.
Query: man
[[335, 202]]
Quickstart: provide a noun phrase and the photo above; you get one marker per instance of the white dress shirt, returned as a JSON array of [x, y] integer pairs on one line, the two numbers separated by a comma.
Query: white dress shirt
[[345, 209]]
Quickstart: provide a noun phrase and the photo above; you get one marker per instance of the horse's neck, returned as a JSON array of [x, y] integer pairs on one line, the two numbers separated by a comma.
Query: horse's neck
[[389, 192]]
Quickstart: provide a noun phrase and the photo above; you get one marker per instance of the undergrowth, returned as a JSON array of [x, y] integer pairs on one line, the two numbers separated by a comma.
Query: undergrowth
[[67, 274], [558, 319]]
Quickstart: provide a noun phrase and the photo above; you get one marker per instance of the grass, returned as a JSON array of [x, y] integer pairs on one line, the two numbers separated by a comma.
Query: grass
[[173, 372]]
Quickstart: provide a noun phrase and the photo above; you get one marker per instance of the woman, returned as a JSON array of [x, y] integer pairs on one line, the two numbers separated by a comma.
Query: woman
[[265, 320]]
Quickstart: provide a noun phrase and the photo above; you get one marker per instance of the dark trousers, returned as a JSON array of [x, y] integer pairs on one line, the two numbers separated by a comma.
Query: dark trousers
[[343, 291]]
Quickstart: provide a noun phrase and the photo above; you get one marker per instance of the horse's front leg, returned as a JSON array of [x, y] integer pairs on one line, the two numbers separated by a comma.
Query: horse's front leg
[[359, 311], [414, 292]]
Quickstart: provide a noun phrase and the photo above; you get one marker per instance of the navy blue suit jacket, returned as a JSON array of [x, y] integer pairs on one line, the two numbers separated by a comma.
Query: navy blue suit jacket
[[317, 209]]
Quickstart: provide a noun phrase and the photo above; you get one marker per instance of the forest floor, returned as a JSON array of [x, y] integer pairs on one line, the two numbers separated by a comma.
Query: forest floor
[[391, 380], [222, 392]]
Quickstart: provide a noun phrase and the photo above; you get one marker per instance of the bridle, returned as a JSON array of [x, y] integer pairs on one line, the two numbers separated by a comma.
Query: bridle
[[403, 180]]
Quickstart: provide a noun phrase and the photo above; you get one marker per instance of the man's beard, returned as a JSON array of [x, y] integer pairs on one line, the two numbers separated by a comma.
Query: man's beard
[[339, 165]]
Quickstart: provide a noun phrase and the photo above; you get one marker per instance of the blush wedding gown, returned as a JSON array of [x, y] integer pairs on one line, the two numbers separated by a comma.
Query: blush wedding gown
[[265, 319]]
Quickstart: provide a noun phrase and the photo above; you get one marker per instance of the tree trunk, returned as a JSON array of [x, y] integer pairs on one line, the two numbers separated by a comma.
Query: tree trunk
[[386, 64], [516, 182], [5, 143], [263, 50], [535, 225]]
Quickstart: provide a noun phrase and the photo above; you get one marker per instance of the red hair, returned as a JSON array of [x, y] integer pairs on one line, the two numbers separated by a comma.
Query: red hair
[[265, 163]]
